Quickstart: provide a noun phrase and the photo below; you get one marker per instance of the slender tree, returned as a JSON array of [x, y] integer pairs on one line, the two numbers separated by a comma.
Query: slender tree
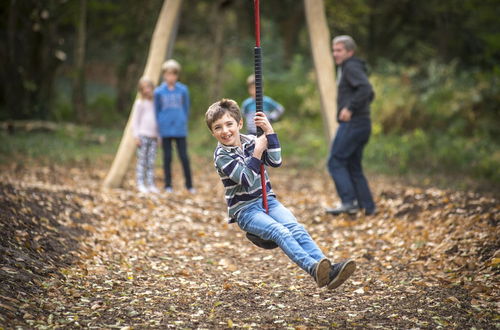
[[79, 103], [30, 53], [323, 62]]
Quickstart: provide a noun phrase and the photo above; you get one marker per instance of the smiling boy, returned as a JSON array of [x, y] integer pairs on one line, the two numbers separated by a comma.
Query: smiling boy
[[237, 159]]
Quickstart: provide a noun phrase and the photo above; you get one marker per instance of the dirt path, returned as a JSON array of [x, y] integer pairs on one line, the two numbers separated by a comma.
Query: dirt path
[[75, 256]]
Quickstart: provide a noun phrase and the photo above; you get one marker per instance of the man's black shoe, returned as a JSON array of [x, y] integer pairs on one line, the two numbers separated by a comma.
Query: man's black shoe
[[340, 272], [371, 212], [344, 208]]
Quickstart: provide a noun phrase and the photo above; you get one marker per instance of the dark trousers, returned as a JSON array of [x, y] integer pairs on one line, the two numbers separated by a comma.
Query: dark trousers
[[344, 163], [167, 160]]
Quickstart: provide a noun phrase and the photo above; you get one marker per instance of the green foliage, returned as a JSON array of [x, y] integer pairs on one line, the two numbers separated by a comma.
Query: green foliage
[[433, 153], [394, 100], [295, 89], [435, 119], [235, 86], [412, 32], [67, 144], [63, 111], [102, 112], [303, 141], [436, 97]]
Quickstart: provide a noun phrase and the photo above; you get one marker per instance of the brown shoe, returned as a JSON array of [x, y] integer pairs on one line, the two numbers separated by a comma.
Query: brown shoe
[[321, 272]]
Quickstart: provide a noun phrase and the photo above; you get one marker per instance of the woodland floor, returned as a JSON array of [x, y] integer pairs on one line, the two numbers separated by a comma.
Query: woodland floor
[[72, 255]]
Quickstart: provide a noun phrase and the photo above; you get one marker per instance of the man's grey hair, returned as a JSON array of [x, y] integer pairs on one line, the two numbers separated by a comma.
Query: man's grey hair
[[348, 42]]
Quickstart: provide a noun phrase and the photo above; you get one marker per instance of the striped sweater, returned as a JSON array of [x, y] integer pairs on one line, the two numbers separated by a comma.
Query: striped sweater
[[240, 172]]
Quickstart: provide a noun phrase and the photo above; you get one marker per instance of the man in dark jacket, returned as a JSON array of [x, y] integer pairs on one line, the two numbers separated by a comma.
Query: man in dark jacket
[[354, 96]]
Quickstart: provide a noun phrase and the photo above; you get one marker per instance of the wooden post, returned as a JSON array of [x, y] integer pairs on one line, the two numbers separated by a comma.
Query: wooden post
[[157, 51], [323, 63]]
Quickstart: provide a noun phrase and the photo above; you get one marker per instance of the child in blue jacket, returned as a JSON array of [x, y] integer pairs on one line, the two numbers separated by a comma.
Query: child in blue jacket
[[172, 103], [271, 108]]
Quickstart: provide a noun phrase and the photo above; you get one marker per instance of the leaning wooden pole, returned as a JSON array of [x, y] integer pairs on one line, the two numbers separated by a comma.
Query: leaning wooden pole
[[323, 62], [160, 41]]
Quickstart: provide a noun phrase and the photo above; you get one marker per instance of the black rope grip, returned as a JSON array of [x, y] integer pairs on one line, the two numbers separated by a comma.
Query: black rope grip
[[258, 83]]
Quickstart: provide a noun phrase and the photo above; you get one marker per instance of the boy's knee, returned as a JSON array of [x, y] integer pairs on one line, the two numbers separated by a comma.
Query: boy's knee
[[298, 230], [278, 231], [299, 227]]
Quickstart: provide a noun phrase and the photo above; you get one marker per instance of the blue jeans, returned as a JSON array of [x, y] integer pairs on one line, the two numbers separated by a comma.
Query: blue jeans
[[344, 163], [183, 155], [281, 226]]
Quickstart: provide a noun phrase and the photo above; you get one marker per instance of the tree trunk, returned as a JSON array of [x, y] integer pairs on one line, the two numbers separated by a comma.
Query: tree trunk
[[173, 36], [323, 63], [290, 31], [28, 63], [219, 24], [14, 94], [79, 102], [157, 51]]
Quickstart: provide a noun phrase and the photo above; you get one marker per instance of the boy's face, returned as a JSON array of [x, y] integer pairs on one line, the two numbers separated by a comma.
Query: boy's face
[[170, 77], [227, 131]]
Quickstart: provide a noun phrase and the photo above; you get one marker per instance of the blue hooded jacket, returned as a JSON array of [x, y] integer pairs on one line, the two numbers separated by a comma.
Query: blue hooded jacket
[[172, 110]]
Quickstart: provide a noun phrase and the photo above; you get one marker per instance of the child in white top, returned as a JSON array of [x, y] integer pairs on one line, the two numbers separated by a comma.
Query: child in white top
[[146, 135]]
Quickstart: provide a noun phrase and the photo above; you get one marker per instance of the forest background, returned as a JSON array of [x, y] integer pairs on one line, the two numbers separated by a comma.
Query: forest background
[[434, 66]]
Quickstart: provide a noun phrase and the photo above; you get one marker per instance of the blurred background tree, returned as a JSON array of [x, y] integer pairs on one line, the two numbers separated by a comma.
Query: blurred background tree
[[435, 66]]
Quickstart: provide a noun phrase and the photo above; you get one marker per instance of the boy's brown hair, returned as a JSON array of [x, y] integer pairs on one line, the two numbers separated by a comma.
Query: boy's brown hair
[[217, 110]]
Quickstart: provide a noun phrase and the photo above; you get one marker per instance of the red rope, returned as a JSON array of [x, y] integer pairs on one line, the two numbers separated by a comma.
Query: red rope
[[257, 22], [264, 188]]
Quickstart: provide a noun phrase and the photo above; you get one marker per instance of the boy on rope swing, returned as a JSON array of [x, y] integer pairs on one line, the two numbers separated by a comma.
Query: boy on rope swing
[[237, 159]]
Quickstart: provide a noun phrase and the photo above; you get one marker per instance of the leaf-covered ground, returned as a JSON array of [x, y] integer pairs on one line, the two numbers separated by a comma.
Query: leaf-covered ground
[[73, 256]]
